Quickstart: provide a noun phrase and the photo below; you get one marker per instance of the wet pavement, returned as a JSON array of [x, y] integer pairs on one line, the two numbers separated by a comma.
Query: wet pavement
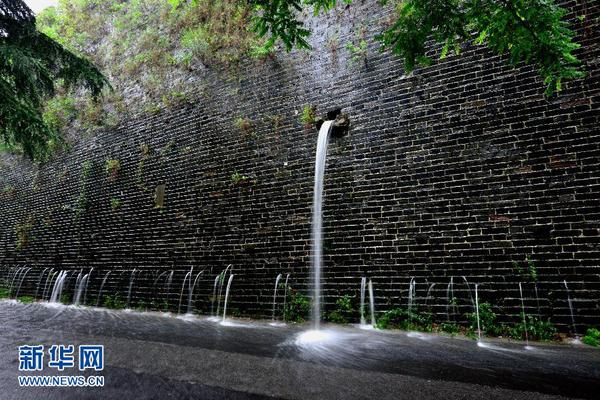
[[157, 356]]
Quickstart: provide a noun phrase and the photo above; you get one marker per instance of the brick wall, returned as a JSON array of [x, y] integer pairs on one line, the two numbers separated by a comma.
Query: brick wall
[[457, 170]]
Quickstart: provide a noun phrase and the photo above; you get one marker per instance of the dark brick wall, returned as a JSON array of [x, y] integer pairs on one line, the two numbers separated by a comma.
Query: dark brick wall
[[459, 169]]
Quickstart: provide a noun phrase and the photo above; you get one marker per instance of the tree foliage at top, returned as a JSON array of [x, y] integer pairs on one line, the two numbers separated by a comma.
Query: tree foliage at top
[[529, 31], [31, 64]]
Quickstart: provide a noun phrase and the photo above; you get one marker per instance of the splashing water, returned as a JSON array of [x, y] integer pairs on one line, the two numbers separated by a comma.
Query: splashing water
[[317, 222]]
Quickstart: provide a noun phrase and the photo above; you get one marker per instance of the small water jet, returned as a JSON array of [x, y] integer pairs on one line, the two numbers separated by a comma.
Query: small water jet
[[39, 282], [450, 300], [221, 282], [167, 287], [372, 304], [287, 277], [411, 294], [574, 327], [51, 275], [187, 276], [537, 300], [275, 297], [317, 221], [12, 282], [79, 288], [214, 296], [191, 293], [131, 280], [524, 316], [21, 282], [477, 314], [86, 286], [58, 287], [227, 297], [363, 287], [427, 297], [101, 287]]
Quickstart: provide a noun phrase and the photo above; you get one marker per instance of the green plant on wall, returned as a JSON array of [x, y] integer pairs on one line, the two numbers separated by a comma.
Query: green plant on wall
[[238, 178], [592, 337], [115, 204], [112, 167], [22, 233], [114, 301], [139, 176], [81, 203], [297, 307], [528, 272], [358, 48], [344, 310], [308, 116]]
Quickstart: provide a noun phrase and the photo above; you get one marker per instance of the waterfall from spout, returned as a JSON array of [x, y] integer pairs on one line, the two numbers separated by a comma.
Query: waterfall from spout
[[275, 296], [363, 287], [227, 296], [101, 287], [317, 222]]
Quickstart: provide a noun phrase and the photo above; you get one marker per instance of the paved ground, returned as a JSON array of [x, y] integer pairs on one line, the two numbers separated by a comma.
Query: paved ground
[[151, 356]]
